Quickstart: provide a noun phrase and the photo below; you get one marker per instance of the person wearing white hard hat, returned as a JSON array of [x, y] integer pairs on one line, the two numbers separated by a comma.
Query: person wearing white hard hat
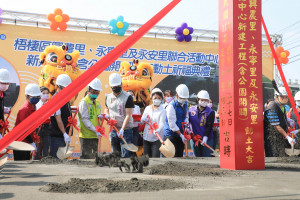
[[202, 118], [177, 112], [119, 106], [59, 120], [33, 96], [157, 114], [89, 109], [4, 84], [276, 126]]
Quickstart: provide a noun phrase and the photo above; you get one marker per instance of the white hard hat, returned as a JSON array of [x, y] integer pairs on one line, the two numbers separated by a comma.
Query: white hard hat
[[297, 96], [155, 90], [203, 94], [282, 91], [63, 80], [115, 80], [182, 91], [95, 84], [4, 76], [33, 90]]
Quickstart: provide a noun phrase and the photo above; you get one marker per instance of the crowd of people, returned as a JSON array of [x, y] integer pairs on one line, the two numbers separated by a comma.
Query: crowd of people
[[168, 111], [174, 115]]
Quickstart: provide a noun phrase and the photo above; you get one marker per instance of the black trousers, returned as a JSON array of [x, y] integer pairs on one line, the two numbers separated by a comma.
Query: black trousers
[[179, 145], [89, 148], [21, 155]]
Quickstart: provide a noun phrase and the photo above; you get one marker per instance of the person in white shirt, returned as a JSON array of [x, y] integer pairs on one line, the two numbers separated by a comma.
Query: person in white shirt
[[135, 129], [177, 113], [157, 114]]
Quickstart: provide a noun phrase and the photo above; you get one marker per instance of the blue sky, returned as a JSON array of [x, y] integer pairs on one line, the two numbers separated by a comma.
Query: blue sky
[[281, 16]]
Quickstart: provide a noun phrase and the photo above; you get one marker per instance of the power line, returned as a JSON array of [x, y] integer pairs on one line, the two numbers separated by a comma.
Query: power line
[[294, 56], [293, 61], [289, 26], [294, 47]]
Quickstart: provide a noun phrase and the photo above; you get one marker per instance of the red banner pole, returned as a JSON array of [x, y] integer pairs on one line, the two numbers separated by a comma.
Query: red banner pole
[[281, 72], [61, 98]]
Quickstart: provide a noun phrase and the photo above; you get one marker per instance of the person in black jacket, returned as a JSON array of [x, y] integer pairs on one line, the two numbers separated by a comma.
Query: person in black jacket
[[276, 126], [59, 120]]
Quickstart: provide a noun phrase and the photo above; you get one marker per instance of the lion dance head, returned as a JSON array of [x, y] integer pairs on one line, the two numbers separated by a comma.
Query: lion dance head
[[55, 61], [137, 78]]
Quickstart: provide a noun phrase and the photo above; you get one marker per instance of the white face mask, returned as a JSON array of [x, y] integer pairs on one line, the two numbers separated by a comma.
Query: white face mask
[[3, 87], [209, 105], [181, 101], [156, 102], [203, 103], [298, 103]]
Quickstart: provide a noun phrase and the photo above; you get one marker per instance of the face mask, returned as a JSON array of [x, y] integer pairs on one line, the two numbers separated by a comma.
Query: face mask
[[3, 87], [181, 101], [156, 102], [93, 96], [203, 103], [45, 97], [117, 90], [298, 103], [34, 100], [169, 99], [209, 105]]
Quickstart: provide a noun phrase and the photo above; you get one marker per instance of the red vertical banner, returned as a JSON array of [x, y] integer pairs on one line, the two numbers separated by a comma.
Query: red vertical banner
[[241, 106]]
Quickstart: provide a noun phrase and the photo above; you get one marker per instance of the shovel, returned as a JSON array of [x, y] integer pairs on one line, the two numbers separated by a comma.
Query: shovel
[[292, 151], [129, 147], [66, 151], [20, 146], [214, 152], [102, 131], [167, 148]]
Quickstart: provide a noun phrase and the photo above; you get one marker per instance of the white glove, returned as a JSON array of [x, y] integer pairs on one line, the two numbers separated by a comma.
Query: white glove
[[291, 122], [182, 138], [290, 140], [295, 132], [121, 133], [98, 134], [3, 151], [34, 146], [106, 116], [67, 138], [204, 140], [6, 110]]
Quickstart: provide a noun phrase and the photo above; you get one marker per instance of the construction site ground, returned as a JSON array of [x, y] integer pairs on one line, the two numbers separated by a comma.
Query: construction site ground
[[176, 178]]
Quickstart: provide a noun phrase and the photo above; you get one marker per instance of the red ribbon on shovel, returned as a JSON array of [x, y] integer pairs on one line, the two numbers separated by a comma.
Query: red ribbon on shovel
[[152, 126], [73, 121], [100, 129], [111, 123], [5, 124], [185, 132]]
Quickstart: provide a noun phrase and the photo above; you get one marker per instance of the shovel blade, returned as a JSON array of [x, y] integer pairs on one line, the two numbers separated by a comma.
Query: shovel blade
[[130, 147], [292, 152], [167, 149], [64, 152], [20, 146], [3, 160], [216, 154]]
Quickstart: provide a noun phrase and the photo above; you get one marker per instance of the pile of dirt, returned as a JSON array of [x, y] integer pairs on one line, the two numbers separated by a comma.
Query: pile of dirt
[[190, 169], [288, 160], [76, 185], [49, 160]]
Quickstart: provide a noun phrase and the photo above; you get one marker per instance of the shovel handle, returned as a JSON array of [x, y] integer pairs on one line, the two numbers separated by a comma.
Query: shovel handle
[[157, 135], [122, 138]]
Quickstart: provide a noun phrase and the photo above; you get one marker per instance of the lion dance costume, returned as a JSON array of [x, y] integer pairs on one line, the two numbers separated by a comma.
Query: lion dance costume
[[137, 78], [55, 61]]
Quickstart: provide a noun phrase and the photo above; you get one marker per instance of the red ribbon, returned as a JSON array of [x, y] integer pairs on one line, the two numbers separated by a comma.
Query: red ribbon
[[111, 123], [197, 139], [5, 124], [152, 126], [1, 94], [36, 138], [73, 121], [185, 132], [100, 129], [141, 127]]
